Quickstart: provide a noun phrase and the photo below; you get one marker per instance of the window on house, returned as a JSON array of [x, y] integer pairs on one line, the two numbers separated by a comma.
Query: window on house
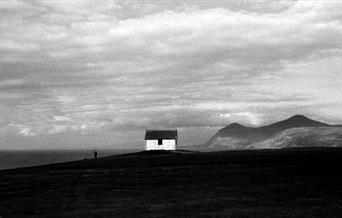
[[160, 141]]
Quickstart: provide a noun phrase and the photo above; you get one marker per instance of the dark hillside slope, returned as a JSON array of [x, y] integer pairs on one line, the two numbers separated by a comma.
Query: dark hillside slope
[[262, 183]]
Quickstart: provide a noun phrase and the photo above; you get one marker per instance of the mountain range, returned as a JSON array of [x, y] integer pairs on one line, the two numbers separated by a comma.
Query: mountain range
[[296, 131]]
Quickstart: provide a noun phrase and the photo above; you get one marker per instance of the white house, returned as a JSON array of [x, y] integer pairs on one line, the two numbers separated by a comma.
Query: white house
[[161, 139]]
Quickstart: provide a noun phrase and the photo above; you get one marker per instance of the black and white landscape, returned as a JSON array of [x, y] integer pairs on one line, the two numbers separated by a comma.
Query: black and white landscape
[[176, 108], [82, 74]]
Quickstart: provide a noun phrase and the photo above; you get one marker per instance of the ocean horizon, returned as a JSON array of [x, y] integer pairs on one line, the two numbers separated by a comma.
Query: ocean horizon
[[10, 159]]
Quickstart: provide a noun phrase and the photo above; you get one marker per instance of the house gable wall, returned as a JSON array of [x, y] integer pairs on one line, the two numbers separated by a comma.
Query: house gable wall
[[167, 144]]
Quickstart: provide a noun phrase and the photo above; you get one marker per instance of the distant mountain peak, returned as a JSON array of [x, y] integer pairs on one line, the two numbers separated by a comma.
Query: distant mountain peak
[[302, 119], [298, 117], [297, 121], [236, 135], [235, 126]]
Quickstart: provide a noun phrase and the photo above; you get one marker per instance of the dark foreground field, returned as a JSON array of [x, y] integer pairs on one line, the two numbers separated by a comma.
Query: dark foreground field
[[274, 183]]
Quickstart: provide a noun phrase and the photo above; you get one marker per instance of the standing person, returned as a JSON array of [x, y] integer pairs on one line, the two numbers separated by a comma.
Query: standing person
[[95, 154]]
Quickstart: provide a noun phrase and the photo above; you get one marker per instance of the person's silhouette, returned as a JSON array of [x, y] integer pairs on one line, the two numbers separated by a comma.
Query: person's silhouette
[[95, 154]]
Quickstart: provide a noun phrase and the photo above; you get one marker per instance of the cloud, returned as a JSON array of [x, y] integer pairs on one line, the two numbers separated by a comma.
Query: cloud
[[82, 67], [62, 118], [11, 83]]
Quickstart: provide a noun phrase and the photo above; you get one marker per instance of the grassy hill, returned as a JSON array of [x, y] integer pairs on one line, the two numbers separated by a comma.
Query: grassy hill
[[262, 183]]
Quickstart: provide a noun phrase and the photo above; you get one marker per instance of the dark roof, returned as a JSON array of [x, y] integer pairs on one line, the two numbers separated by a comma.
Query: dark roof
[[161, 134]]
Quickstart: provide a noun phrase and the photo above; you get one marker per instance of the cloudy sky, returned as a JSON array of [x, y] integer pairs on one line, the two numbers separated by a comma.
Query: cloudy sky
[[80, 74]]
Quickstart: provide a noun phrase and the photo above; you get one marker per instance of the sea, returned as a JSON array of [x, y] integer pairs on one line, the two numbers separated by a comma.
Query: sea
[[26, 158]]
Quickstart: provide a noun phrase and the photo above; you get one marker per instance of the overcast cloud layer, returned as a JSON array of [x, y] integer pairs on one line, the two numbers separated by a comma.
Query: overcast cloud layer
[[80, 74]]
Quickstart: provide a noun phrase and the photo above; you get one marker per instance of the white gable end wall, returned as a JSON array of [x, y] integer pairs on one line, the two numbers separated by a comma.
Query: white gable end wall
[[167, 144]]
